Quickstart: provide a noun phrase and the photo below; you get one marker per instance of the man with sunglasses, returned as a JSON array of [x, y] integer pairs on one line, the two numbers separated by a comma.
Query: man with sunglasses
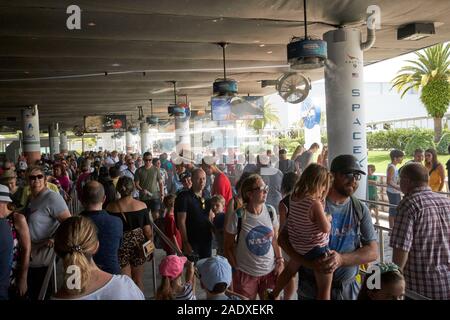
[[192, 218], [353, 240], [149, 182]]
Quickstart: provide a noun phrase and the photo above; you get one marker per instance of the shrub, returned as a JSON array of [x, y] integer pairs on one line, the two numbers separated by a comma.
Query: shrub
[[423, 140], [442, 147], [394, 139]]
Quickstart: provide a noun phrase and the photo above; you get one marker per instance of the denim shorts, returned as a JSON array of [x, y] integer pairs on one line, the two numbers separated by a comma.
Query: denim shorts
[[347, 290], [394, 198], [316, 253]]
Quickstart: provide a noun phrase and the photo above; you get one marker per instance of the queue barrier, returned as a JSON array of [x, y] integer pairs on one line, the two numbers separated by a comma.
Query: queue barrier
[[51, 271]]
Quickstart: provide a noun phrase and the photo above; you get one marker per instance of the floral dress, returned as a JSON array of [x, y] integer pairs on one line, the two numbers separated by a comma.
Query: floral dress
[[16, 257]]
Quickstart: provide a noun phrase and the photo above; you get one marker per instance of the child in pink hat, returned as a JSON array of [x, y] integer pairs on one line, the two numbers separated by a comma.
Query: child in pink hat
[[171, 287]]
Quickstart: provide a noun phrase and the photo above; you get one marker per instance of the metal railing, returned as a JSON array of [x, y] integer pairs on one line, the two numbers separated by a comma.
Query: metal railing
[[385, 186], [380, 228], [51, 270]]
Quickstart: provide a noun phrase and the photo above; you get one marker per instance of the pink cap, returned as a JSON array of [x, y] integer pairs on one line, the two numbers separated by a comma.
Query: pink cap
[[172, 266]]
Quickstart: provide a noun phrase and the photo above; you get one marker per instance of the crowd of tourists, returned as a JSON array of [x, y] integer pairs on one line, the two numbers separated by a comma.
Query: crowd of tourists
[[247, 225]]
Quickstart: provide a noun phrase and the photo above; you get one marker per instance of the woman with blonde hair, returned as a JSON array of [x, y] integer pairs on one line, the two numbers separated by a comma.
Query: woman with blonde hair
[[136, 230], [309, 226], [76, 243], [45, 210], [250, 241]]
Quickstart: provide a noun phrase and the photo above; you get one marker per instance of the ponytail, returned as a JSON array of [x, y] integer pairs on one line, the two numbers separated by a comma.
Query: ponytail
[[76, 242]]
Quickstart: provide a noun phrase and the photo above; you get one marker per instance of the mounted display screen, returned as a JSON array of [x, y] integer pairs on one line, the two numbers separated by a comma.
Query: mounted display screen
[[237, 108], [105, 123]]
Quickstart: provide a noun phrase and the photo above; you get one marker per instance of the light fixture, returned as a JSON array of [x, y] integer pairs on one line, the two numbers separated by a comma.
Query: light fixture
[[415, 31], [115, 65], [262, 45], [91, 24]]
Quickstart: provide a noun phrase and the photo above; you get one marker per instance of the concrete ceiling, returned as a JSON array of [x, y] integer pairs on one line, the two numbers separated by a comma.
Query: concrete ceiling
[[171, 40]]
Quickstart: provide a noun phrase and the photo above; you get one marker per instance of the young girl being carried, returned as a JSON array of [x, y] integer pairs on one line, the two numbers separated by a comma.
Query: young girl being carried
[[308, 227]]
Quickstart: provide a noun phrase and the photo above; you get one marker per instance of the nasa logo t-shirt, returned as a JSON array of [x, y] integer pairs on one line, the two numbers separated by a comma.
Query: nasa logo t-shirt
[[259, 240], [254, 252]]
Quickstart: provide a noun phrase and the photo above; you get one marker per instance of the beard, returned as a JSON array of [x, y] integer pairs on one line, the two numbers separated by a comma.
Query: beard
[[346, 189]]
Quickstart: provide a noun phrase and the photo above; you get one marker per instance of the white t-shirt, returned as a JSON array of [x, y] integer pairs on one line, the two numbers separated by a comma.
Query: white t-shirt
[[254, 252], [120, 287]]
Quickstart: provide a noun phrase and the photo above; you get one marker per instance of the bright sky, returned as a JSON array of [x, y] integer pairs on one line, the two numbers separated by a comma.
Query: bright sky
[[386, 70]]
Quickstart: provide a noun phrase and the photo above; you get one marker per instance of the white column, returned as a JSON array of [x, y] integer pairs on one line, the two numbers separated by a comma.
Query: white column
[[197, 139], [145, 145], [346, 123], [53, 139], [182, 136], [128, 142], [63, 146], [31, 139]]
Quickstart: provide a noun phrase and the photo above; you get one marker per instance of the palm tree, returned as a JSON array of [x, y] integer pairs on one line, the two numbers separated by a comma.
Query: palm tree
[[269, 117], [431, 73]]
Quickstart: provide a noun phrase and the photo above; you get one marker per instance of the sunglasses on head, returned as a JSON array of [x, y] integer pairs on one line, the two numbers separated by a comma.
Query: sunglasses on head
[[352, 175], [262, 188], [38, 176]]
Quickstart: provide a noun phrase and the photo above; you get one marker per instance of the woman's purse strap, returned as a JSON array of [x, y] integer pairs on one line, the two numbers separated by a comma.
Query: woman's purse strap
[[123, 214]]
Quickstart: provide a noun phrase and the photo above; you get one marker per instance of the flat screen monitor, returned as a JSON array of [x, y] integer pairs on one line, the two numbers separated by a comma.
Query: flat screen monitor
[[105, 123], [237, 108]]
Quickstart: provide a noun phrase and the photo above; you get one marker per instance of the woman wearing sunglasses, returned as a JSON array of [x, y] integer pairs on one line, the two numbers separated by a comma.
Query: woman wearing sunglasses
[[251, 241], [45, 211]]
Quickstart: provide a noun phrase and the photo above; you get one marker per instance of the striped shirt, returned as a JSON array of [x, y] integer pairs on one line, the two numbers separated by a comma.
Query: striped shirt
[[303, 233], [422, 228], [187, 294]]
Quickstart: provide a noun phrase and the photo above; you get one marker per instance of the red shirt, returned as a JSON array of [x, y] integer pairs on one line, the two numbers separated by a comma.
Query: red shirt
[[170, 230], [222, 186]]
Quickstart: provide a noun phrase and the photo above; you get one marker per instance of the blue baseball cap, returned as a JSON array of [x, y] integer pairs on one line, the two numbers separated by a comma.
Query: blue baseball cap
[[214, 270]]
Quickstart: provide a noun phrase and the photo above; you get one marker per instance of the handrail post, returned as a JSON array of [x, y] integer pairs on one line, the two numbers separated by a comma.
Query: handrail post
[[154, 276], [381, 244], [55, 289], [47, 277]]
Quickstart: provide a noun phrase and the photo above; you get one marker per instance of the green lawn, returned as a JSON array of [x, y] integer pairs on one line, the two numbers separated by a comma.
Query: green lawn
[[381, 160]]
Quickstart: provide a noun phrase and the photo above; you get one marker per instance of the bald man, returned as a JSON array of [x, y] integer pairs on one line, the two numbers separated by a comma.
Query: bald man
[[192, 217], [109, 227], [421, 235]]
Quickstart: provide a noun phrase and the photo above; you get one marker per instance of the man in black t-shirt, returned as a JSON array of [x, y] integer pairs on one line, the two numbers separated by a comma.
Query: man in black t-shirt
[[192, 217]]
